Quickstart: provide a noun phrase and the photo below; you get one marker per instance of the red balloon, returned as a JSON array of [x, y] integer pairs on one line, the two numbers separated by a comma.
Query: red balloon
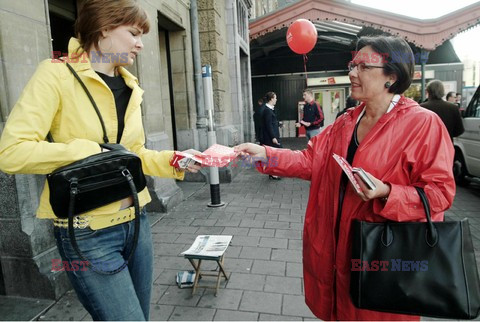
[[301, 36]]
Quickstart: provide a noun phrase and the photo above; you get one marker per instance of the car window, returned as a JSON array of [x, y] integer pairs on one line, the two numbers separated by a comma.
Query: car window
[[476, 107], [473, 109]]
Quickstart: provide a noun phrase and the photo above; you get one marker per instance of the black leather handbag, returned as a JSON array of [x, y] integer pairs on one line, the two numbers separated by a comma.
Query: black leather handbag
[[96, 181], [420, 268]]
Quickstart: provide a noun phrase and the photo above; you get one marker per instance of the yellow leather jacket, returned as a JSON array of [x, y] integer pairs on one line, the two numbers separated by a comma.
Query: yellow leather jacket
[[54, 101]]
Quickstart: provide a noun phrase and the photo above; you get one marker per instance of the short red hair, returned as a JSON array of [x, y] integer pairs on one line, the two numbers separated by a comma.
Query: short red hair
[[96, 16]]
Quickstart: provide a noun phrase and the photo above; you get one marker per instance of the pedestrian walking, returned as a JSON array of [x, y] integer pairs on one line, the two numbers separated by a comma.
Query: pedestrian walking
[[109, 37], [398, 143], [257, 119], [349, 103]]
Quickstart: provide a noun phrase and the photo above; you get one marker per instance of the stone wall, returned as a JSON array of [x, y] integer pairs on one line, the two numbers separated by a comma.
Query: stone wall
[[213, 44], [26, 243]]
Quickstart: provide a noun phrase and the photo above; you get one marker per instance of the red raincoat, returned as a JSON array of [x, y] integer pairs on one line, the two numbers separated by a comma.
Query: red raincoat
[[409, 146]]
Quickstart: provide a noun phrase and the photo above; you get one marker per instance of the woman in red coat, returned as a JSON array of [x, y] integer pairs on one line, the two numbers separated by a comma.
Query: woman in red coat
[[398, 143]]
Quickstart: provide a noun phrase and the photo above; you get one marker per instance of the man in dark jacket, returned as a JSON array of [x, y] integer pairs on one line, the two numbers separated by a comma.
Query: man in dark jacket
[[257, 119], [448, 112], [312, 115]]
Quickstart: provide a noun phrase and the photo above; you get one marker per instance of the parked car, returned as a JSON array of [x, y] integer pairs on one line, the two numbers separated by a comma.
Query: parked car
[[467, 146]]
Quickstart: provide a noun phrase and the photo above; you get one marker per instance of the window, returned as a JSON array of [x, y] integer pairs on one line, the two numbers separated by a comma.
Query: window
[[242, 20], [473, 109]]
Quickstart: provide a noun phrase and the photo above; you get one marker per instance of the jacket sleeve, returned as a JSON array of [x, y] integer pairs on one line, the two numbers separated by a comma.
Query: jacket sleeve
[[23, 148], [268, 114], [154, 163], [298, 164], [458, 128], [429, 163], [288, 163], [318, 114]]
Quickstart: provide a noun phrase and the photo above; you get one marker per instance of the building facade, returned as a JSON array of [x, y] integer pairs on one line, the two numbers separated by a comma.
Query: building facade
[[30, 31]]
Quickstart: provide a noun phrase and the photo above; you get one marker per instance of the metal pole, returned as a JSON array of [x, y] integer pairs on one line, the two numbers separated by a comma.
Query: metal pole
[[423, 61], [197, 67], [212, 138]]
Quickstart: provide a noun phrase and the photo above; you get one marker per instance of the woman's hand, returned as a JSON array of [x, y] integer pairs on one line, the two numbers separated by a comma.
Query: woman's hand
[[194, 168], [382, 190], [251, 150]]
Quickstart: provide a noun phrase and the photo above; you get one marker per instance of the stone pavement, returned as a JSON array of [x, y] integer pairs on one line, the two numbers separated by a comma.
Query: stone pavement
[[264, 260]]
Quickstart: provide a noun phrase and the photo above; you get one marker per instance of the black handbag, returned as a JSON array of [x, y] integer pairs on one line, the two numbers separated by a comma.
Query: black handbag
[[96, 181], [420, 268]]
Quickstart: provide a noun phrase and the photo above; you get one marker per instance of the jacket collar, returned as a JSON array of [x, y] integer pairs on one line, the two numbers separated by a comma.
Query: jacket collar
[[403, 103], [79, 60]]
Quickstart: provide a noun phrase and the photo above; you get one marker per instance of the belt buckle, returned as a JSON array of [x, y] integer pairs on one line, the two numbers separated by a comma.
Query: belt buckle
[[81, 223]]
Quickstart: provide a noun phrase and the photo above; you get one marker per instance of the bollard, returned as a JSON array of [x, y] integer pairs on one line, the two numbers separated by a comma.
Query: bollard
[[212, 137]]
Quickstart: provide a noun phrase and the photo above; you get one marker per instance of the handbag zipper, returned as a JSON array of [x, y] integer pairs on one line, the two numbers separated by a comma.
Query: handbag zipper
[[98, 185], [100, 175], [113, 154]]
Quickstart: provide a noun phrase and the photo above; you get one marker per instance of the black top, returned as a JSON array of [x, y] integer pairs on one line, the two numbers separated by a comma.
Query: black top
[[121, 93], [352, 149]]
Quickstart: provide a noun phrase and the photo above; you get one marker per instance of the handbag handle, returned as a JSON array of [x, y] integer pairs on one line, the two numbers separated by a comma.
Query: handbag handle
[[71, 232], [432, 234]]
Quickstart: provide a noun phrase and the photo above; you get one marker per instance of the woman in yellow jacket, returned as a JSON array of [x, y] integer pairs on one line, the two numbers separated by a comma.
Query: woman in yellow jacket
[[109, 37]]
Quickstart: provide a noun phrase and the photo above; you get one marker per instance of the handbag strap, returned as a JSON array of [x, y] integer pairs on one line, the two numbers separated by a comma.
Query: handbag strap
[[105, 138], [71, 232], [432, 237]]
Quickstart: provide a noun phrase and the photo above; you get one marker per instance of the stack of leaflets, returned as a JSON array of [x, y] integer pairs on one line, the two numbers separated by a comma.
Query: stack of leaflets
[[185, 279], [215, 156], [349, 171]]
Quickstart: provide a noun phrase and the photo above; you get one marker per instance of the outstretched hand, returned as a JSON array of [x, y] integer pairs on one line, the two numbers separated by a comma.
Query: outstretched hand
[[195, 167], [252, 150]]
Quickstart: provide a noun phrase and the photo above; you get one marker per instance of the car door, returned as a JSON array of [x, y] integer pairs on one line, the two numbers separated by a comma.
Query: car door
[[470, 139]]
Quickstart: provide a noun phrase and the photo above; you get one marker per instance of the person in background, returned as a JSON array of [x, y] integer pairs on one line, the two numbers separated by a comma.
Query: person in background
[[257, 119], [447, 111], [270, 125], [458, 102], [313, 117], [451, 96], [350, 102], [53, 101], [400, 144]]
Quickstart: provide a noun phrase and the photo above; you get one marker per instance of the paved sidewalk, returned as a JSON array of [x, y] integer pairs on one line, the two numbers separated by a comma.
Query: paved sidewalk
[[264, 260]]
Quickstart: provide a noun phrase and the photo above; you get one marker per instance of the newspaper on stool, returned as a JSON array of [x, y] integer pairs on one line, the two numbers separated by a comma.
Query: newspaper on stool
[[208, 246]]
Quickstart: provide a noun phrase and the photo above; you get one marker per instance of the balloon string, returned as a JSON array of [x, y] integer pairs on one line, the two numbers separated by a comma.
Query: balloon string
[[305, 59]]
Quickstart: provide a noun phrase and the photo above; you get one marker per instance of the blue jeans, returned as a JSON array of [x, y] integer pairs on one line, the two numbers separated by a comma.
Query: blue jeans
[[122, 296], [312, 133]]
